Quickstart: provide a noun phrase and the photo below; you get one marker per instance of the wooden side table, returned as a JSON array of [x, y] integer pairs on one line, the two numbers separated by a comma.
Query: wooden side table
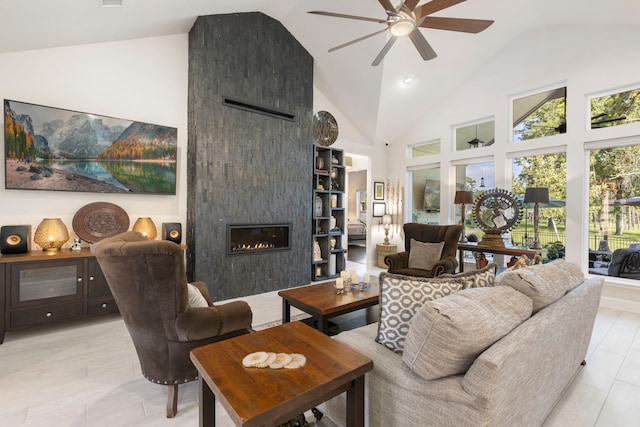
[[267, 397], [384, 250]]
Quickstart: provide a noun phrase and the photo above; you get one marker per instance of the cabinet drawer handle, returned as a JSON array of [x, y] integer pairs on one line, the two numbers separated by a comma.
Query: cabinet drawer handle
[[90, 278], [104, 305], [49, 314], [79, 279]]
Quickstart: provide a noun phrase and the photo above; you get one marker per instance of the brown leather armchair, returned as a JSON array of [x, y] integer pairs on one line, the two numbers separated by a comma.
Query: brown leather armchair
[[398, 263], [148, 281]]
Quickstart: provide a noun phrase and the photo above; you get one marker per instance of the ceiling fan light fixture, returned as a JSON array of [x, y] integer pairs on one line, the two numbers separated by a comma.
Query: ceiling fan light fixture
[[402, 24]]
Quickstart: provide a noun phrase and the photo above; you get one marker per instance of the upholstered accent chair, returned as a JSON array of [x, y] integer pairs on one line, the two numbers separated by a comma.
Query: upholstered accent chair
[[445, 262], [148, 281]]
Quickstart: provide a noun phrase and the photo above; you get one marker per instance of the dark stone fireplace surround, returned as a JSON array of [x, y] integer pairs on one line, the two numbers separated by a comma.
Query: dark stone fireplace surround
[[249, 151]]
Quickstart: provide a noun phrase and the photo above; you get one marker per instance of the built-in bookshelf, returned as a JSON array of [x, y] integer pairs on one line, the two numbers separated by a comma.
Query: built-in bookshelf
[[329, 213]]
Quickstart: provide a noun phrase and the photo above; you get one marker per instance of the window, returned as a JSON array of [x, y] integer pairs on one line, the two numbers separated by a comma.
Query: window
[[616, 109], [614, 204], [539, 115], [477, 135], [476, 178], [548, 171], [424, 149], [425, 195]]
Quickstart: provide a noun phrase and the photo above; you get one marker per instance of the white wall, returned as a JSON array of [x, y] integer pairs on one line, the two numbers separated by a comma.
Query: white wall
[[143, 80], [588, 60]]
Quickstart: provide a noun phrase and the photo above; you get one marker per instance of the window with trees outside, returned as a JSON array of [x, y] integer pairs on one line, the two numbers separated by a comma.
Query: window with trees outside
[[474, 177], [540, 115], [548, 171], [614, 189]]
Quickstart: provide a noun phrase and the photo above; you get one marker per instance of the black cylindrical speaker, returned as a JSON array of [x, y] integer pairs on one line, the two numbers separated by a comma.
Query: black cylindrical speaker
[[172, 231], [15, 239]]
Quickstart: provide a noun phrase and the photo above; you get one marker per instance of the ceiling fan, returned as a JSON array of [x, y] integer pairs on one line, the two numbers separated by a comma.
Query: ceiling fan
[[407, 18]]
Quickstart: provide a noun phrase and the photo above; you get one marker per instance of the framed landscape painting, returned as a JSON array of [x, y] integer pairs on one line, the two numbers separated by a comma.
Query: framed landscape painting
[[49, 148]]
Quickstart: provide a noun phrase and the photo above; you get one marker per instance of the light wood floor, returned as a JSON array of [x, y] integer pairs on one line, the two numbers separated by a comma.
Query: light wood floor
[[87, 374]]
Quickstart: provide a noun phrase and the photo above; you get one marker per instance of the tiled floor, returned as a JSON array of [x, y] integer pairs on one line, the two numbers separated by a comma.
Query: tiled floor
[[88, 375]]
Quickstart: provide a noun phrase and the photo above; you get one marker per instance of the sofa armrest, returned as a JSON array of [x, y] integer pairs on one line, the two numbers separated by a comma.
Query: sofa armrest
[[234, 316], [198, 323], [205, 322], [445, 265], [397, 261]]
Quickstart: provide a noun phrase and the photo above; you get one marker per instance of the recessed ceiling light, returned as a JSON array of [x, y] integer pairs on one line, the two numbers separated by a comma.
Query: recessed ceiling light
[[110, 3], [407, 80]]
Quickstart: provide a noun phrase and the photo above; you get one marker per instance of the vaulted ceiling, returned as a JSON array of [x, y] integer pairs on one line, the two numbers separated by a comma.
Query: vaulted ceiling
[[375, 99]]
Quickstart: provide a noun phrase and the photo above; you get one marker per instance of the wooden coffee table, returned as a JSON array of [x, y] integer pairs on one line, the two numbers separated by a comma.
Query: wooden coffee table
[[268, 397], [322, 302]]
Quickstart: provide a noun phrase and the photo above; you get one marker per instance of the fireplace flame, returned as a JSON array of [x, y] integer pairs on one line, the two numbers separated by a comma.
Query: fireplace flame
[[253, 247]]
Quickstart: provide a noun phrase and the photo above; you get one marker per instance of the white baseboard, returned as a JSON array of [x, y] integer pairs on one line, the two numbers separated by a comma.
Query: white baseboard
[[621, 296]]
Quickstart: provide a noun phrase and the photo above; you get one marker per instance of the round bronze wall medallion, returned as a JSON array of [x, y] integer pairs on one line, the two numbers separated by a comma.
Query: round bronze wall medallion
[[325, 128], [100, 220]]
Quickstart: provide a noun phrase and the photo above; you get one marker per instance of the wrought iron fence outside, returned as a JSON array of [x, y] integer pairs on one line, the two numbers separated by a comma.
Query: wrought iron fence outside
[[611, 242]]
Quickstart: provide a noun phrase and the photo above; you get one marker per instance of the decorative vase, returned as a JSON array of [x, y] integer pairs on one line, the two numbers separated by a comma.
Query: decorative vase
[[332, 223], [317, 253]]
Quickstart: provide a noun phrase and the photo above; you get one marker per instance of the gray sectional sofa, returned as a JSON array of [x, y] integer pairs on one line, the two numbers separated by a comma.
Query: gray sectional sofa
[[516, 381]]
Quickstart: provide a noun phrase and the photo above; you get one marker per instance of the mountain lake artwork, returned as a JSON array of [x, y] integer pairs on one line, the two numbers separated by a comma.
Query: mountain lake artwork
[[50, 148]]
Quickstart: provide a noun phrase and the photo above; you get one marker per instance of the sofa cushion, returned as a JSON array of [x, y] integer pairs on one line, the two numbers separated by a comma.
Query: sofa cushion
[[481, 278], [400, 298], [543, 283], [424, 255], [447, 334]]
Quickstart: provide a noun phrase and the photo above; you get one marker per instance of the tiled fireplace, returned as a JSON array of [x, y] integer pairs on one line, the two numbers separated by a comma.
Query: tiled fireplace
[[250, 156]]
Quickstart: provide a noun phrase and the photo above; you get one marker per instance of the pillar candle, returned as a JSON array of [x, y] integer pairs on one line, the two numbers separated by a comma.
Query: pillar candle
[[339, 283]]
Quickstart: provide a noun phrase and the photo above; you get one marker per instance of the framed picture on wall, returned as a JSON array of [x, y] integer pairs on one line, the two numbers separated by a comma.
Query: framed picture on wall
[[378, 191], [379, 209], [54, 149]]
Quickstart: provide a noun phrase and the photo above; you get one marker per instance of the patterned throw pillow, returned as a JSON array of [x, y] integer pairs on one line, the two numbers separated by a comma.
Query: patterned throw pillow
[[401, 297], [482, 278], [424, 255]]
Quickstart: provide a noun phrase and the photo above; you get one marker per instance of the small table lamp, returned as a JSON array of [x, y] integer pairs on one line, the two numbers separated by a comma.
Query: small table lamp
[[463, 198], [51, 234], [146, 226], [536, 195], [386, 220]]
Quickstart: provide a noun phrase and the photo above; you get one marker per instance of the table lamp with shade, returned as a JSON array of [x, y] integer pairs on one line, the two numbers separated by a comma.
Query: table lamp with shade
[[463, 198], [51, 234], [536, 195], [386, 221], [146, 226]]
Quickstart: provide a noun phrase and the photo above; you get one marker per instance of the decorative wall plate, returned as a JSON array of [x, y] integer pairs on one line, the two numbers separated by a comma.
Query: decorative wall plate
[[496, 211], [325, 128], [99, 220]]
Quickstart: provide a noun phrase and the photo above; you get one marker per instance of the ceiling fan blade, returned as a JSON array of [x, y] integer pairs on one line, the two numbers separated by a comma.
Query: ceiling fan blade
[[423, 46], [455, 24], [387, 5], [357, 40], [435, 6], [384, 51], [340, 15], [411, 4]]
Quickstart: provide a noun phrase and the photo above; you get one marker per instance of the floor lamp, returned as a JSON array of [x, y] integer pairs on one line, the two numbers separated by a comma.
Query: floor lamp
[[536, 195], [463, 198]]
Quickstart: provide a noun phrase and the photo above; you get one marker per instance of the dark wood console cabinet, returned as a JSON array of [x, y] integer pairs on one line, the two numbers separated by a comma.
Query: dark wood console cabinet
[[40, 287]]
